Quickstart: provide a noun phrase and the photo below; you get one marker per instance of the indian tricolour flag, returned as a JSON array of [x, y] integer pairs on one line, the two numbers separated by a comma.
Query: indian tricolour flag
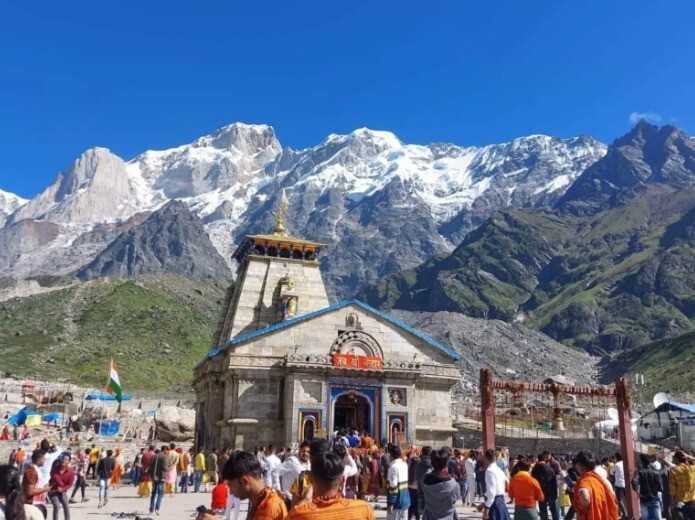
[[114, 387]]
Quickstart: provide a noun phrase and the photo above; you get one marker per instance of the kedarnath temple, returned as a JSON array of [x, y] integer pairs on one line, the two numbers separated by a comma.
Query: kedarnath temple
[[288, 366]]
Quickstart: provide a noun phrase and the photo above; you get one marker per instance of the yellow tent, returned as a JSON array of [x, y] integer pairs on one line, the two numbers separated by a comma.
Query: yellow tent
[[33, 420]]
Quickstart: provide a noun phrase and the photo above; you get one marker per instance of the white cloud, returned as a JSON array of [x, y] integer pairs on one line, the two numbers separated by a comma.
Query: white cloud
[[651, 117]]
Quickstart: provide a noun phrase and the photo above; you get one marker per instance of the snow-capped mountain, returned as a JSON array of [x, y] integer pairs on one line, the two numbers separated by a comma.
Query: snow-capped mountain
[[9, 203], [381, 204], [97, 188]]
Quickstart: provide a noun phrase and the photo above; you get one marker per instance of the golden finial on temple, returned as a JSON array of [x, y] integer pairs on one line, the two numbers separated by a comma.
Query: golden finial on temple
[[280, 213]]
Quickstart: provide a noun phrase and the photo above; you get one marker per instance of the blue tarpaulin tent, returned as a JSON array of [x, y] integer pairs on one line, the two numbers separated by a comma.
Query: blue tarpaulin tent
[[108, 428], [18, 418], [21, 417], [54, 417], [97, 395]]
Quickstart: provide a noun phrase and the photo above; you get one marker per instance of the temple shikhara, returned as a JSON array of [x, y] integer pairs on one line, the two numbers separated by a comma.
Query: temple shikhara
[[288, 366]]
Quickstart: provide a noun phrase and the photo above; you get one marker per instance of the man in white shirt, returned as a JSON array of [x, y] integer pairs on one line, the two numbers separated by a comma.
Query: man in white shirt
[[271, 466], [52, 453], [293, 466], [11, 491], [470, 477], [350, 464], [350, 469], [495, 507], [398, 497], [601, 472], [619, 484]]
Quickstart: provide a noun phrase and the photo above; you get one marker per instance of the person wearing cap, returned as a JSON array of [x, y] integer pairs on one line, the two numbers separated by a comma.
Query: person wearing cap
[[325, 501]]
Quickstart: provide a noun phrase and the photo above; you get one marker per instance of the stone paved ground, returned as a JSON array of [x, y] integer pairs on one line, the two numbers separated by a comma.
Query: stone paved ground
[[174, 507]]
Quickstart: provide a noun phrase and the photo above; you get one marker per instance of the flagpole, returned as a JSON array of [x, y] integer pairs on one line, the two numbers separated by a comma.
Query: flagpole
[[103, 407]]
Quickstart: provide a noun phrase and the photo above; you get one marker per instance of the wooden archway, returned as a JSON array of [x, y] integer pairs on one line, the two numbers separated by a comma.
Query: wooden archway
[[488, 385]]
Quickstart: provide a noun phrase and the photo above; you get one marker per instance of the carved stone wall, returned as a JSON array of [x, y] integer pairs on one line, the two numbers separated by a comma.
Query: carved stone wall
[[433, 407], [259, 399], [255, 304], [397, 396], [309, 392], [356, 343]]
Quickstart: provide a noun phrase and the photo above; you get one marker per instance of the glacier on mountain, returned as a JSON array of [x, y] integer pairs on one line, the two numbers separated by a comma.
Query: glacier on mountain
[[344, 188], [9, 203]]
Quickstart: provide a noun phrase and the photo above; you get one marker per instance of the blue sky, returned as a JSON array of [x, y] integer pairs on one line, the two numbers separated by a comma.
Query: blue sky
[[151, 74]]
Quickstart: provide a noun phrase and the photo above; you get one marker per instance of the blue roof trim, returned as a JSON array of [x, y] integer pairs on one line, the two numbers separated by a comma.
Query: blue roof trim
[[214, 352], [243, 338], [670, 405]]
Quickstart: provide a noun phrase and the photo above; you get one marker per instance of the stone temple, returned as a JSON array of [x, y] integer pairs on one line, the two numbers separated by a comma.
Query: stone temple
[[288, 366]]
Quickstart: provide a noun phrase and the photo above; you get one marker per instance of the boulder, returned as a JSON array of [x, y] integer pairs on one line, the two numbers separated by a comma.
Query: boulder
[[175, 424]]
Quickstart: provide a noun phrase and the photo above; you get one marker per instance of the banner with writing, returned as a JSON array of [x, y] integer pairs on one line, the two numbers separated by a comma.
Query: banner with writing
[[357, 362]]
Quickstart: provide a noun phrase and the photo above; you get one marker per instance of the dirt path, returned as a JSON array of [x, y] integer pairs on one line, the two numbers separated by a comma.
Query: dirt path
[[72, 313]]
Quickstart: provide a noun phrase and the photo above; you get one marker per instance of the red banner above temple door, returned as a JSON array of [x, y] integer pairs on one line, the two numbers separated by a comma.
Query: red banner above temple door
[[357, 362]]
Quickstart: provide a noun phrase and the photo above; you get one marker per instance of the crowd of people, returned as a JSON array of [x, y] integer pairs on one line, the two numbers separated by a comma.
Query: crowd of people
[[337, 480], [548, 486], [52, 476], [428, 483]]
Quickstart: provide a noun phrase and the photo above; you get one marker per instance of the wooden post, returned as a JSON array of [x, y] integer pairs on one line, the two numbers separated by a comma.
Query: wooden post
[[627, 447], [487, 409]]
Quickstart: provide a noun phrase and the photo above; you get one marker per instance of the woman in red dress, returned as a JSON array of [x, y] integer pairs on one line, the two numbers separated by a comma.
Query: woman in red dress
[[62, 479]]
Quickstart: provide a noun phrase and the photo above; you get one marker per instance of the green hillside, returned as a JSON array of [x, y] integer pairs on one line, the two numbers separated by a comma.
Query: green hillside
[[666, 365], [605, 282], [156, 329]]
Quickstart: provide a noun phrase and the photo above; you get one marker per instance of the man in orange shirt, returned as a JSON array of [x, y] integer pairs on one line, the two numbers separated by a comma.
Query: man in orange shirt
[[525, 491], [593, 499], [20, 457], [325, 501], [244, 476], [366, 442]]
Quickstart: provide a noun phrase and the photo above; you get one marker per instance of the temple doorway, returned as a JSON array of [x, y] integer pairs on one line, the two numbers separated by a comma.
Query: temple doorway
[[352, 412], [309, 424], [397, 429]]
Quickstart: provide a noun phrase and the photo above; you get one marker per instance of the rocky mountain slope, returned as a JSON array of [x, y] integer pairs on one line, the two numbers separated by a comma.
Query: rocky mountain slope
[[510, 350], [648, 155], [382, 205], [171, 240], [95, 189], [9, 203], [609, 268]]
